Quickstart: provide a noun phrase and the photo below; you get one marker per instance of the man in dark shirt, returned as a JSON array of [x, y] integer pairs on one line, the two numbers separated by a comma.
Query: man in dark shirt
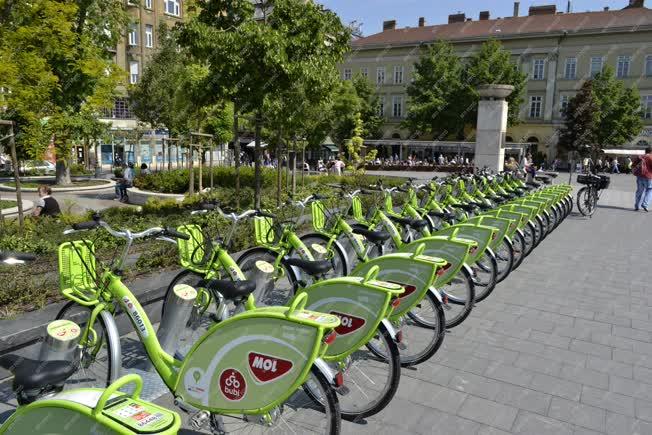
[[643, 171], [46, 205]]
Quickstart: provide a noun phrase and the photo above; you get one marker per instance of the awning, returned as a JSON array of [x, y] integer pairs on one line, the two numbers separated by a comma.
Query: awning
[[252, 144], [331, 148], [621, 152]]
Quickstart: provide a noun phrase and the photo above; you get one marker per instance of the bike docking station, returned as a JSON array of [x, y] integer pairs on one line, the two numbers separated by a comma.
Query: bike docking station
[[177, 313], [61, 341]]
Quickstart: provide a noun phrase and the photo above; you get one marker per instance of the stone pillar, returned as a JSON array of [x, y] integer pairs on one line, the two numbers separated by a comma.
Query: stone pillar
[[492, 126]]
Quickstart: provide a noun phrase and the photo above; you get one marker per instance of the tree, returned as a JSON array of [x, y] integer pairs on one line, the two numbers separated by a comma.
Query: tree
[[355, 162], [434, 94], [352, 100], [619, 119], [492, 65], [251, 59], [581, 119]]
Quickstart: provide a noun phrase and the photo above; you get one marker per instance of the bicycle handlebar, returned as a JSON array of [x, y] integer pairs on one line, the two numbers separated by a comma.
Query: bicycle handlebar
[[126, 234]]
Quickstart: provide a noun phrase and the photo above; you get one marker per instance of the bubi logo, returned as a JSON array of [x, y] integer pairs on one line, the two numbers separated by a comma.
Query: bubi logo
[[348, 323], [233, 385], [266, 368]]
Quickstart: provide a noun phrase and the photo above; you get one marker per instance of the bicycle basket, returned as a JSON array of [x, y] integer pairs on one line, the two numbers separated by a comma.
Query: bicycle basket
[[588, 179], [77, 270], [605, 181], [196, 251], [318, 215], [356, 208], [263, 230]]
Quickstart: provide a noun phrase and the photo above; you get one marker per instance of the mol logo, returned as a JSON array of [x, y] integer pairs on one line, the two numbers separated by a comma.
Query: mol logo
[[233, 385], [266, 368], [348, 323]]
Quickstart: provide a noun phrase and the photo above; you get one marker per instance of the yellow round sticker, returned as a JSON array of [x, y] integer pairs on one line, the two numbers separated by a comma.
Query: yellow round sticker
[[318, 248], [185, 292], [264, 266], [63, 330]]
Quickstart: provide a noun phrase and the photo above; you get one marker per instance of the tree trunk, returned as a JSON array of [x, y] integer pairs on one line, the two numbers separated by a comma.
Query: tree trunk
[[210, 164], [163, 155], [257, 168], [191, 167], [279, 178], [62, 166], [236, 155], [86, 156], [14, 163], [303, 166], [201, 168], [294, 168], [152, 151]]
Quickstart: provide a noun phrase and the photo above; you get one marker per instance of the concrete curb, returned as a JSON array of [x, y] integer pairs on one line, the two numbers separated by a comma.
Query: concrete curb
[[13, 211], [140, 197], [110, 184]]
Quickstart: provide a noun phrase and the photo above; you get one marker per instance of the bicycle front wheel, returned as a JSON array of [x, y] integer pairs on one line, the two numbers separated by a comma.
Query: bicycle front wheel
[[99, 356], [586, 201], [504, 259], [459, 297], [312, 409], [485, 275], [318, 246], [519, 247]]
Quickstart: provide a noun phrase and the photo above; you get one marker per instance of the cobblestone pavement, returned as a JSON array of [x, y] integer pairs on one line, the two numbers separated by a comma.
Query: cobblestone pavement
[[563, 346]]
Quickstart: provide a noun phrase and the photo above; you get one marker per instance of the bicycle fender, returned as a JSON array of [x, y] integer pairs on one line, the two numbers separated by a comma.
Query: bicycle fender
[[436, 294], [325, 370], [114, 337], [390, 328]]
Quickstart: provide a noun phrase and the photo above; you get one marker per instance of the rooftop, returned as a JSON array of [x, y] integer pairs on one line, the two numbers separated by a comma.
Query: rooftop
[[628, 19]]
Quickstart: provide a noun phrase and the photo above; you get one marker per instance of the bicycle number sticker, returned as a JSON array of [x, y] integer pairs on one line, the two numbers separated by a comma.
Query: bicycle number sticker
[[233, 385], [267, 368], [135, 316], [348, 323]]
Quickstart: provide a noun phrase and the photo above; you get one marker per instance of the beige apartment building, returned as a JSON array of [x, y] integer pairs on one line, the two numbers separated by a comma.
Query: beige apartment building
[[132, 54], [557, 50]]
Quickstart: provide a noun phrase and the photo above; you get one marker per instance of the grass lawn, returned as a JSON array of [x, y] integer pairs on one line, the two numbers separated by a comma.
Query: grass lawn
[[5, 203], [35, 184]]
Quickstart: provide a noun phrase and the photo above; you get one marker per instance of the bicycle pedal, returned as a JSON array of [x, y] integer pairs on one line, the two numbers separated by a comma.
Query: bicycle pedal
[[198, 420]]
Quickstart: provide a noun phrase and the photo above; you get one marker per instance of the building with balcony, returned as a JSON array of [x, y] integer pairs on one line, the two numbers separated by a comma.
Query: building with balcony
[[557, 50]]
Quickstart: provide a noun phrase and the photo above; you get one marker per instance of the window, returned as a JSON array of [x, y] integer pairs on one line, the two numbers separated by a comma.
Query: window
[[121, 110], [133, 34], [380, 75], [413, 74], [597, 64], [538, 69], [364, 71], [570, 72], [398, 75], [133, 72], [381, 106], [563, 104], [622, 69], [648, 65], [646, 107], [149, 36], [172, 7], [347, 74], [536, 103], [148, 4], [397, 106]]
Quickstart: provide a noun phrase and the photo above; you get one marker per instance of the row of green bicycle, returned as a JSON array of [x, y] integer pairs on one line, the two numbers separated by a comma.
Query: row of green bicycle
[[301, 330]]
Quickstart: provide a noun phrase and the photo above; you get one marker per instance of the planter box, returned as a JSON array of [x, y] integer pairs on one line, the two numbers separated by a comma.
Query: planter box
[[140, 197]]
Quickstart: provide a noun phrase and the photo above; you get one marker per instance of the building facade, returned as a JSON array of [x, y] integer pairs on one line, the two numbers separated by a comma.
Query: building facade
[[557, 50]]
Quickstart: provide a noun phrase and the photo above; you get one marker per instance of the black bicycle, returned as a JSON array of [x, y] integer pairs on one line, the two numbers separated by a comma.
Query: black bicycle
[[588, 196]]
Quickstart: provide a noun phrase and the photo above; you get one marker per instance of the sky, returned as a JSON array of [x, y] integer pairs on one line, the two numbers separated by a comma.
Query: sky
[[372, 13]]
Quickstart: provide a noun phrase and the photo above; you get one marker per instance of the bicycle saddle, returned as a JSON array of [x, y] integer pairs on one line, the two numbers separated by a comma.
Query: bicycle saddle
[[372, 236], [30, 374], [484, 206], [417, 224], [313, 268], [465, 207], [442, 215], [229, 289], [534, 184]]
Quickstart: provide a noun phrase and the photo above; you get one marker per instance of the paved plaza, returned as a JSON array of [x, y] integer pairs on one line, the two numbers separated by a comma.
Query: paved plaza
[[563, 346]]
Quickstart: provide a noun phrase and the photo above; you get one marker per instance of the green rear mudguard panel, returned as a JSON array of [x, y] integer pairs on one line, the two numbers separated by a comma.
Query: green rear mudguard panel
[[517, 220], [250, 362], [416, 273], [360, 305], [527, 210], [452, 249], [480, 234], [504, 226], [70, 412]]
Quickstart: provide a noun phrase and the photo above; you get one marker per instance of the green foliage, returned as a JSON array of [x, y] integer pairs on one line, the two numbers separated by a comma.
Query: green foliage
[[355, 163], [619, 119], [176, 181], [581, 118], [354, 99]]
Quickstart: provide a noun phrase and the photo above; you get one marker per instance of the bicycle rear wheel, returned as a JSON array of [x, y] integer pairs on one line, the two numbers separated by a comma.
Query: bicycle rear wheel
[[485, 275], [459, 297], [504, 259], [586, 201], [272, 288], [99, 357], [519, 246], [300, 414], [317, 244]]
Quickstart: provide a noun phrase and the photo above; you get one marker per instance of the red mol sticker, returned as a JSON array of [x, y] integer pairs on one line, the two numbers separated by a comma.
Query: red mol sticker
[[266, 368], [348, 323], [409, 289], [233, 385]]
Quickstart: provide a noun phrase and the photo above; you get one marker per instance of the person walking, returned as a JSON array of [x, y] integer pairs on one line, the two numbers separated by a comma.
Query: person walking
[[46, 205], [615, 169], [126, 182], [642, 169]]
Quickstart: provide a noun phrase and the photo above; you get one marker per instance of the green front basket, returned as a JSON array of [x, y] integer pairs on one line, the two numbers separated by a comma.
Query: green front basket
[[263, 230], [77, 269]]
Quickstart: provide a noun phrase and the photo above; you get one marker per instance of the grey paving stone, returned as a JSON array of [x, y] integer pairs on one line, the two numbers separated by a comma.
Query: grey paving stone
[[495, 353], [488, 430], [609, 400], [462, 361], [524, 345], [634, 334], [550, 339], [488, 412], [564, 356], [434, 422], [523, 398], [644, 410], [630, 387], [556, 386], [476, 385], [577, 413], [538, 364], [643, 374], [591, 348], [434, 396], [614, 341], [431, 372], [509, 374], [610, 367], [618, 424], [614, 320], [583, 431], [576, 312], [528, 423]]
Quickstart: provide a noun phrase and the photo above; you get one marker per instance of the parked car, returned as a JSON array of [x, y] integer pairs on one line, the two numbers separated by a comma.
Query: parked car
[[39, 166]]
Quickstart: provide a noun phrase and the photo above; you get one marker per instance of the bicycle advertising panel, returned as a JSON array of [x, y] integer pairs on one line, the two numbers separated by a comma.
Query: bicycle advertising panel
[[452, 249]]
